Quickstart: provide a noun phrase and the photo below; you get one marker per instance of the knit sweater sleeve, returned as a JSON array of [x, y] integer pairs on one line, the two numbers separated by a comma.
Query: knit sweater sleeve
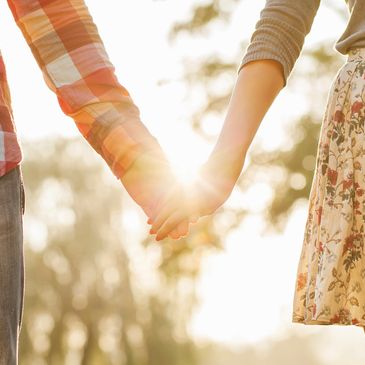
[[280, 32]]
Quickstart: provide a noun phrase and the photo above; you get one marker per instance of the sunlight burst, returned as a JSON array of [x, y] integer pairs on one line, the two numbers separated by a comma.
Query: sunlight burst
[[185, 173], [186, 154]]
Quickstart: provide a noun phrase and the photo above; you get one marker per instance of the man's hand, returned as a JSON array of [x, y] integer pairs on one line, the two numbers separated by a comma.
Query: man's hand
[[174, 204], [148, 180]]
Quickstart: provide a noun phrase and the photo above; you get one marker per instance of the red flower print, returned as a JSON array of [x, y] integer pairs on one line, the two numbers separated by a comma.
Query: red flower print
[[302, 279], [359, 192], [341, 317], [339, 116], [346, 184], [349, 243], [335, 319], [354, 321], [319, 213], [356, 107], [332, 176]]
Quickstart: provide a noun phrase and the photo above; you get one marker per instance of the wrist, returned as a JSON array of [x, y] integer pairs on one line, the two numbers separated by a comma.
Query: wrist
[[223, 169]]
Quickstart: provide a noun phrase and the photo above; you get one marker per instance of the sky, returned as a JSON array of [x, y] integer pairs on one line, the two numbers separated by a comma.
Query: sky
[[256, 295]]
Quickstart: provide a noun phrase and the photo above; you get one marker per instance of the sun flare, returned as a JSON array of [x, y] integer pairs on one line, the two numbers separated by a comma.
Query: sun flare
[[186, 173], [186, 154]]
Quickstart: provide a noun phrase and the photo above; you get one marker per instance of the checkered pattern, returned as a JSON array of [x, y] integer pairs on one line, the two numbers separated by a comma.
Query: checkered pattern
[[10, 151], [70, 53]]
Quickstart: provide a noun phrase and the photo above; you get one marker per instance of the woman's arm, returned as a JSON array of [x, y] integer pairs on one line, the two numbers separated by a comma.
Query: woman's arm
[[258, 84], [274, 47]]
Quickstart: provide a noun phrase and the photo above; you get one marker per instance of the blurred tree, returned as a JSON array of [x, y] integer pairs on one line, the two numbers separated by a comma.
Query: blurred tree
[[274, 352], [80, 304]]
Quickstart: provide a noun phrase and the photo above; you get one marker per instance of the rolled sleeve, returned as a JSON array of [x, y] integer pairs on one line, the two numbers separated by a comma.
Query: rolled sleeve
[[75, 65], [280, 32]]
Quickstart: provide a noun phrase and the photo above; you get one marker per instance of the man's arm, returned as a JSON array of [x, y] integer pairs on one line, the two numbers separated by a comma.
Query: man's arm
[[70, 53]]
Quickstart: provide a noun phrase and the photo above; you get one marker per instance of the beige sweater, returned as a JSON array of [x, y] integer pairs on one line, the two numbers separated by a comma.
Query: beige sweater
[[283, 25]]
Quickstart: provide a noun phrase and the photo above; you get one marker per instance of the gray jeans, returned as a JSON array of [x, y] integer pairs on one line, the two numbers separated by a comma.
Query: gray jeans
[[12, 205]]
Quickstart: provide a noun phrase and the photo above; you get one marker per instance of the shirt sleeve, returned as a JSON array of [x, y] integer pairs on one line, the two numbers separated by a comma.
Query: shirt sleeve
[[70, 53], [280, 32]]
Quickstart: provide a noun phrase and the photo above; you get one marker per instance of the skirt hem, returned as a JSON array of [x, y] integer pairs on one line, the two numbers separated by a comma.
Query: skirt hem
[[326, 322]]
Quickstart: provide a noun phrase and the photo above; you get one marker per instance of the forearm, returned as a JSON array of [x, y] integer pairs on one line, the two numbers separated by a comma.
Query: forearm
[[257, 86]]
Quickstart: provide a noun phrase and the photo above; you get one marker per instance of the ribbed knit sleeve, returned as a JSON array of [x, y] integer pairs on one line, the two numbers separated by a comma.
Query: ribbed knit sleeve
[[280, 32]]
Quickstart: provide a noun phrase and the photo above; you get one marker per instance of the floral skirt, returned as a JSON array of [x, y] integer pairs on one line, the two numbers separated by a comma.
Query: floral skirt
[[330, 282]]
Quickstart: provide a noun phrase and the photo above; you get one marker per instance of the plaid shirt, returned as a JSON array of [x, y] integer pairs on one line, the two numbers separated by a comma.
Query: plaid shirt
[[70, 53]]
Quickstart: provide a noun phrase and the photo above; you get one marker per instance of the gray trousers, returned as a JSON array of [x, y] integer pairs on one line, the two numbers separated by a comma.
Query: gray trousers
[[12, 205]]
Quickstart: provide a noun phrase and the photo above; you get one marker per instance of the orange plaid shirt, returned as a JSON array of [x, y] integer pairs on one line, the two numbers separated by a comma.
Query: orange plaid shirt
[[70, 53]]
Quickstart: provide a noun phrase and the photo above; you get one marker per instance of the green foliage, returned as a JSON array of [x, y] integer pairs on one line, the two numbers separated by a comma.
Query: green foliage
[[203, 15]]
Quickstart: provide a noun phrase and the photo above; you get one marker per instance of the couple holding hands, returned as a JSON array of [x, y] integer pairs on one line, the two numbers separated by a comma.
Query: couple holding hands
[[170, 206], [67, 47], [75, 66], [148, 177]]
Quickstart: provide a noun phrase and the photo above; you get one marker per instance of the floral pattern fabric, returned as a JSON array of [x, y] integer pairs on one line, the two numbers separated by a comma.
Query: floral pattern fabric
[[330, 282]]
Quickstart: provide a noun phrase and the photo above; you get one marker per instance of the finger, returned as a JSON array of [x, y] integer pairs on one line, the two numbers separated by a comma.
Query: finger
[[180, 231], [183, 228], [170, 224], [164, 214], [153, 208], [148, 211], [167, 211], [175, 234], [194, 218], [170, 195]]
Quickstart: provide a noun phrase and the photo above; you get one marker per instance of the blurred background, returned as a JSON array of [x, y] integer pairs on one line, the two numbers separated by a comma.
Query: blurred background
[[99, 290]]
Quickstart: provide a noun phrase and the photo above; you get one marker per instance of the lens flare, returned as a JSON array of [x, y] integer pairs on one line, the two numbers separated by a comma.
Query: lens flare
[[186, 174]]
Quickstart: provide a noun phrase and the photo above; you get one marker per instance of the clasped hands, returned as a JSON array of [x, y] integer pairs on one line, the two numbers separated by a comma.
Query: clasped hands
[[170, 205], [184, 204]]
